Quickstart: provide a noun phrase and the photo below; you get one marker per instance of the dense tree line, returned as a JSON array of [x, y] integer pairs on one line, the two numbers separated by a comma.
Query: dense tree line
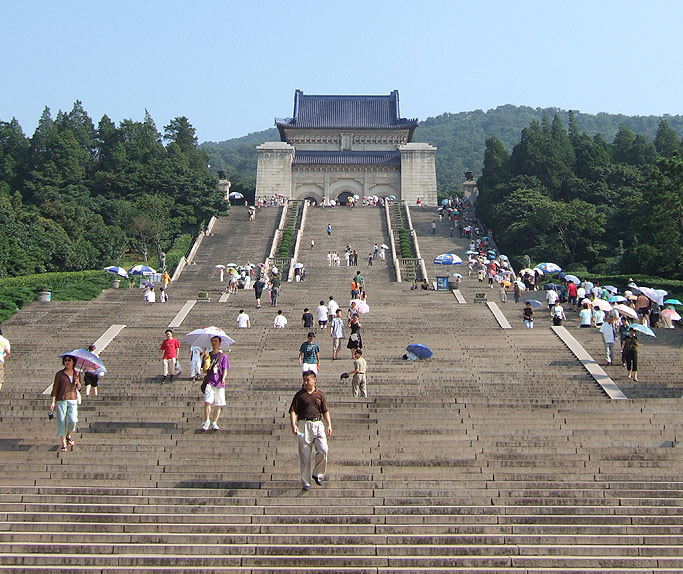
[[580, 201], [460, 139], [75, 196]]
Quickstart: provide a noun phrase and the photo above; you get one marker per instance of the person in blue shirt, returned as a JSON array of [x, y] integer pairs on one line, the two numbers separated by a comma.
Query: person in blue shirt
[[309, 354]]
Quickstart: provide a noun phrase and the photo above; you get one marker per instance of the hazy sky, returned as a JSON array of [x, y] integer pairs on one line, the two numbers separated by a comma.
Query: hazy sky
[[232, 66]]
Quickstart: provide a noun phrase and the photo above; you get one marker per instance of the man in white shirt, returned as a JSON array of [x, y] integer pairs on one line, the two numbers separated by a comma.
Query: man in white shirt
[[551, 297], [322, 312], [580, 296], [280, 321], [607, 332], [243, 321], [332, 307], [337, 332]]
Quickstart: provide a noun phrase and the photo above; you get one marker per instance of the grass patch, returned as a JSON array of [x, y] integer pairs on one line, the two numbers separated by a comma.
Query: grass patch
[[15, 292]]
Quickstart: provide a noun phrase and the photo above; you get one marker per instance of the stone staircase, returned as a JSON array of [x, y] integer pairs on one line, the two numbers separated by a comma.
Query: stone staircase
[[499, 454]]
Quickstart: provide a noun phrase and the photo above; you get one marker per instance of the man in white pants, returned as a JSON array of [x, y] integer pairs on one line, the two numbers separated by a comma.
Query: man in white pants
[[607, 332], [168, 352], [307, 413]]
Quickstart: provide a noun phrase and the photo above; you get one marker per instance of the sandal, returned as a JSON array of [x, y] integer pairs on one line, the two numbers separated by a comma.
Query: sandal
[[70, 442], [63, 449]]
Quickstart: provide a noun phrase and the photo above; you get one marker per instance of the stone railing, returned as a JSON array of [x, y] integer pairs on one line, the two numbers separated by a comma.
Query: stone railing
[[392, 242], [193, 250], [301, 223]]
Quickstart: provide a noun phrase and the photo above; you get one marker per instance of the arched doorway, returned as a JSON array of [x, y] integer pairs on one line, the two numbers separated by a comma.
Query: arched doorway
[[343, 197], [313, 201]]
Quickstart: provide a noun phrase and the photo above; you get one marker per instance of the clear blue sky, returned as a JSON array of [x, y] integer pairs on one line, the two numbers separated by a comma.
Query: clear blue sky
[[232, 66]]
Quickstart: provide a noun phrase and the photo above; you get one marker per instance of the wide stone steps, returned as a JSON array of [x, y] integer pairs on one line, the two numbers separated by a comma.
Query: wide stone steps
[[499, 454]]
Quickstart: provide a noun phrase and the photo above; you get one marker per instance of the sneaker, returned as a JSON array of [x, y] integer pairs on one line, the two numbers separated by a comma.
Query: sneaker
[[206, 424], [165, 380], [214, 426], [318, 480], [306, 487]]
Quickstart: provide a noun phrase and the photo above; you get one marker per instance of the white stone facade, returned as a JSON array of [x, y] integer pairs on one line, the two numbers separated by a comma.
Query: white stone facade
[[324, 183], [274, 171], [418, 173]]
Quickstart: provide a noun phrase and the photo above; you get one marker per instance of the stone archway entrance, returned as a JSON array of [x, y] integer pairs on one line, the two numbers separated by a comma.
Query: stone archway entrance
[[343, 197], [311, 200]]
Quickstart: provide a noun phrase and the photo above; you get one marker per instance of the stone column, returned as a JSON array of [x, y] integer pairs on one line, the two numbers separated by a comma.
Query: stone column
[[274, 172], [418, 173]]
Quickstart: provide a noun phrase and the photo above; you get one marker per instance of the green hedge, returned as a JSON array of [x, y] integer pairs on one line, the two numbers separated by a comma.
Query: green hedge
[[15, 292], [179, 249]]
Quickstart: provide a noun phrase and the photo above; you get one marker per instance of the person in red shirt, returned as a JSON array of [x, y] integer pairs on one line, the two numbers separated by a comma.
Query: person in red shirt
[[571, 293], [168, 353]]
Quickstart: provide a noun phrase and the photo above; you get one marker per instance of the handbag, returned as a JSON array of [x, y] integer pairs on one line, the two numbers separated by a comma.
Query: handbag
[[210, 368]]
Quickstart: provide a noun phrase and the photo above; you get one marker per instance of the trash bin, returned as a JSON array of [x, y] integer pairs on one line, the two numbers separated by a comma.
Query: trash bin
[[453, 283]]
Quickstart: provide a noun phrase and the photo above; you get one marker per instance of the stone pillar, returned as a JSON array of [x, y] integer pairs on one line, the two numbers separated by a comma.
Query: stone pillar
[[224, 186], [418, 173], [274, 172]]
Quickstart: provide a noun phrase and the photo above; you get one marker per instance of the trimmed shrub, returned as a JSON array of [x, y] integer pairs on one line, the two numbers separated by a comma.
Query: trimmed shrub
[[15, 292]]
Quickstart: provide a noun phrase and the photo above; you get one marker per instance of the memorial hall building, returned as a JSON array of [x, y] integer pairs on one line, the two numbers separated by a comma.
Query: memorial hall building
[[334, 147]]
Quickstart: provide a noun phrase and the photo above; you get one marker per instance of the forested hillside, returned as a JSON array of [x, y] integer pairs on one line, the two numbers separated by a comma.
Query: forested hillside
[[75, 196], [460, 139], [584, 202]]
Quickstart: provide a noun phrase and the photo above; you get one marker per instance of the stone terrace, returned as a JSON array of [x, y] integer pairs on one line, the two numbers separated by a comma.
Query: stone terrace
[[499, 454]]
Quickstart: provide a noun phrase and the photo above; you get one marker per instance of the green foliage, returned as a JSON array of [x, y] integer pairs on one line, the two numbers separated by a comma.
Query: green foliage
[[574, 199], [460, 139], [15, 292], [76, 197], [289, 234], [181, 246]]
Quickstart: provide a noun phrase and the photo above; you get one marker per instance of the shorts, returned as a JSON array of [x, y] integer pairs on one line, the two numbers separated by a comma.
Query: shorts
[[309, 367], [214, 396], [322, 323], [90, 379], [336, 344]]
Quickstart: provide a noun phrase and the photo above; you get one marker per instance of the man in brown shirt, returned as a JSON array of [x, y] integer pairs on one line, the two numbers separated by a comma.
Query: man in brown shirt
[[307, 413]]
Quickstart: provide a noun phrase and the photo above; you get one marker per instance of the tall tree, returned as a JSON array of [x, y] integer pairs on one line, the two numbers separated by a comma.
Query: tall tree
[[667, 142], [181, 132]]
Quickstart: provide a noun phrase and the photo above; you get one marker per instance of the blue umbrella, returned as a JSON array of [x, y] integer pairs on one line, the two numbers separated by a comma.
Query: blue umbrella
[[447, 259], [549, 267], [535, 303], [672, 302], [573, 278], [616, 299], [642, 329], [419, 350], [141, 270], [120, 271], [550, 286], [444, 202], [86, 360]]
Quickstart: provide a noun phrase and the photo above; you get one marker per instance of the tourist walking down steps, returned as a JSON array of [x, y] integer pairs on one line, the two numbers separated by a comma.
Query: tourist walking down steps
[[307, 412]]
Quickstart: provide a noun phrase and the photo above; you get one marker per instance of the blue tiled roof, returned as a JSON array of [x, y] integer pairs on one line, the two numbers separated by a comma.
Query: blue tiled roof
[[346, 112], [392, 158]]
